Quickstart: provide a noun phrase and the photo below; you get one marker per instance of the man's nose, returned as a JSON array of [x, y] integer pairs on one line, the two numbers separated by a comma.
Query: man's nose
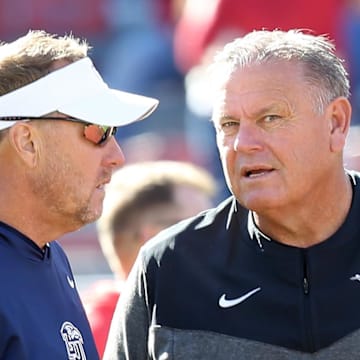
[[116, 156], [248, 138]]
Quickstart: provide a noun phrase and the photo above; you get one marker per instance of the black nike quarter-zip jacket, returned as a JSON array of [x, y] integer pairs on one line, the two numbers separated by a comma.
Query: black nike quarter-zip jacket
[[214, 287]]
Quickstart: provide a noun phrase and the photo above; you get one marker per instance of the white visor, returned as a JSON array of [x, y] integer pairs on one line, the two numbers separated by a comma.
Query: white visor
[[78, 91]]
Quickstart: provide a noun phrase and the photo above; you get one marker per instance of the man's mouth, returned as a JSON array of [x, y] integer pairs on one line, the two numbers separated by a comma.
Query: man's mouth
[[101, 185], [256, 172]]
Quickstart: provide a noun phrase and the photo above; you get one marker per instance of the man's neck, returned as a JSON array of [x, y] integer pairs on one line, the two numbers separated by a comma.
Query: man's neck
[[311, 222]]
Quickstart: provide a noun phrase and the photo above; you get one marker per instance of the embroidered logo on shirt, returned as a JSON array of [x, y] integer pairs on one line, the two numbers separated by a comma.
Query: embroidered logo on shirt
[[355, 277], [73, 341], [70, 281], [226, 303]]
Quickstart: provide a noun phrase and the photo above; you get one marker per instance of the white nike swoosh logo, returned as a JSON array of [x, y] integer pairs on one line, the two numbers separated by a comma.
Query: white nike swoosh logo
[[356, 277], [70, 281], [225, 303]]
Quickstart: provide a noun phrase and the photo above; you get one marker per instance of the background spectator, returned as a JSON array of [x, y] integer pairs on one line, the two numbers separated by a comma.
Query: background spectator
[[141, 200]]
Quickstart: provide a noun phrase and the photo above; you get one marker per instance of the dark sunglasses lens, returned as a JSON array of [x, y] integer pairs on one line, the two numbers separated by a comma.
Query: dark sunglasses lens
[[98, 134]]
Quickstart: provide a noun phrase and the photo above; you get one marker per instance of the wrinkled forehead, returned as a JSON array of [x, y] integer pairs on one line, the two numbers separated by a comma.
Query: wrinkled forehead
[[258, 86], [223, 72]]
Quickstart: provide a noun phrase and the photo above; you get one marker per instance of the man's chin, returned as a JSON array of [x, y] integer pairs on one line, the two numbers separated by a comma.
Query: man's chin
[[90, 217]]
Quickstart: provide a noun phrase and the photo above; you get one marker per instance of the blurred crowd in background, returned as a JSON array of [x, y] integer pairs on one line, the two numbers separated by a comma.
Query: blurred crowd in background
[[161, 48]]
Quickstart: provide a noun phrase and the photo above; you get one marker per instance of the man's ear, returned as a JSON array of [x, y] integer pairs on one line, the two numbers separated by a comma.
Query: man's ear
[[339, 114], [22, 137]]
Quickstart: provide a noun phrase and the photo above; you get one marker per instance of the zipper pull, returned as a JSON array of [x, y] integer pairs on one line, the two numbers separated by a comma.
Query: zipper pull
[[305, 286]]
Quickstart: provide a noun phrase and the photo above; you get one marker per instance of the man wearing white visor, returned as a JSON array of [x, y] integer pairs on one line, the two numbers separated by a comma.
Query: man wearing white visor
[[57, 153]]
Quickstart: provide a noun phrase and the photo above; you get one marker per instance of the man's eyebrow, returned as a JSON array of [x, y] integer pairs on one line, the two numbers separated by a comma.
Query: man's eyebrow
[[222, 117], [268, 109], [227, 117], [273, 107]]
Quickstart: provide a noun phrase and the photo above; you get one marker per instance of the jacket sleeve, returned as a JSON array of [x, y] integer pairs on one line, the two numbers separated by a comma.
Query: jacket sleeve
[[128, 335]]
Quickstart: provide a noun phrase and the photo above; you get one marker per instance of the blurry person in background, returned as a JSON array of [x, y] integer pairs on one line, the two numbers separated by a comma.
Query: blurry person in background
[[144, 29], [142, 199], [350, 32], [282, 282], [57, 153], [206, 22], [352, 149]]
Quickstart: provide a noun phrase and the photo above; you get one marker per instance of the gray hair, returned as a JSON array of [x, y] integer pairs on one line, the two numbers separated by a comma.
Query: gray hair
[[323, 69]]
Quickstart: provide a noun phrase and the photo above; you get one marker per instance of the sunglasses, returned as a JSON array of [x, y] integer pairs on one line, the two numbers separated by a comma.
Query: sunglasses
[[97, 134]]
